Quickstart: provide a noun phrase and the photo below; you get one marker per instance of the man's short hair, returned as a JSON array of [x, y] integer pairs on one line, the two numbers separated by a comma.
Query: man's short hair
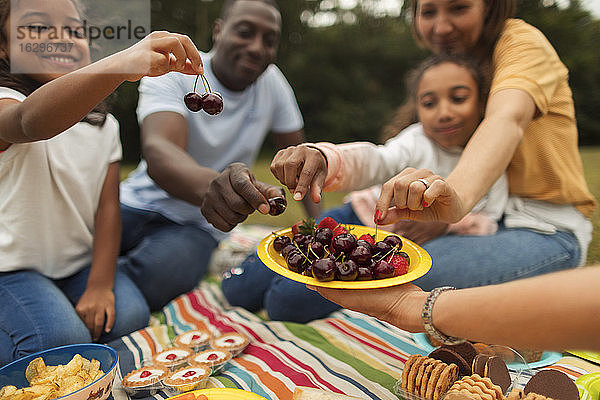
[[228, 3]]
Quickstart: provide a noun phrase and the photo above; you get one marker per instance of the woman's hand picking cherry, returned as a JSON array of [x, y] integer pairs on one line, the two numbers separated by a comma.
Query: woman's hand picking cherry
[[412, 199], [302, 169]]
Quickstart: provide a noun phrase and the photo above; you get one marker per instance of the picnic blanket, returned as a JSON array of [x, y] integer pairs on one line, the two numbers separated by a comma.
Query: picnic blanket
[[348, 352]]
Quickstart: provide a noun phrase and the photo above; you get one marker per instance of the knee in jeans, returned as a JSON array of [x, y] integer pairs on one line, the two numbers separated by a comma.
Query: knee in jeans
[[52, 338]]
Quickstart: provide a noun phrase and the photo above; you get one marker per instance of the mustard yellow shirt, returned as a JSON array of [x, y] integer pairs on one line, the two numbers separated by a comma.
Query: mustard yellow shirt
[[546, 165]]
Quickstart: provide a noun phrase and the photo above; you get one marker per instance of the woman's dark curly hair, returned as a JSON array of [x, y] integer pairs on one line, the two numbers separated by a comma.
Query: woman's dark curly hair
[[25, 84]]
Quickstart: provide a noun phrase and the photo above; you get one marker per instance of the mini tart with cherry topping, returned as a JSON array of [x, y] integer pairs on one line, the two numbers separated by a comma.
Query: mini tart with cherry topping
[[211, 358], [196, 340], [232, 342], [172, 357], [187, 378], [144, 376]]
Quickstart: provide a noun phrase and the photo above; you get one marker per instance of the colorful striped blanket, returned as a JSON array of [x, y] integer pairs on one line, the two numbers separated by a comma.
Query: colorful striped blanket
[[346, 353]]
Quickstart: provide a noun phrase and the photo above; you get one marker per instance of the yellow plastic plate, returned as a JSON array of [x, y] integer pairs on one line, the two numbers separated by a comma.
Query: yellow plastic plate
[[221, 394], [420, 262]]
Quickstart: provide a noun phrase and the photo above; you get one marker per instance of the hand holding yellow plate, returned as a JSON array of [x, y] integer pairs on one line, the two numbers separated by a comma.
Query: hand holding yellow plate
[[420, 262]]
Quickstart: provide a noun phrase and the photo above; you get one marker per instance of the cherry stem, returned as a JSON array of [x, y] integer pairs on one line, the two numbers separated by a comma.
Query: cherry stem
[[392, 250], [303, 255], [195, 82], [205, 81]]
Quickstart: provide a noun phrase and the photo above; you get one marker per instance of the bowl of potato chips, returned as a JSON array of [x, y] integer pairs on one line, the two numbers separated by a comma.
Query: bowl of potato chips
[[73, 372]]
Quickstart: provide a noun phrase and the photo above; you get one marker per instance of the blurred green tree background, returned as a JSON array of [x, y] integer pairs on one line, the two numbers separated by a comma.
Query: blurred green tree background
[[346, 60]]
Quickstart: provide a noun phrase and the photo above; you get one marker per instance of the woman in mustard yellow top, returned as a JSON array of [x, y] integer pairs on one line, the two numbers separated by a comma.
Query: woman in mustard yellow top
[[528, 130]]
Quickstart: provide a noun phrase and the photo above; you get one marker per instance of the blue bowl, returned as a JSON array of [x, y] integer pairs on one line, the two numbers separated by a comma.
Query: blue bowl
[[14, 373]]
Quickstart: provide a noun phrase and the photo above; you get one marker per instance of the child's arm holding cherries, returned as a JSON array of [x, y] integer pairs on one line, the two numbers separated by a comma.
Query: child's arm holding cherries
[[62, 102]]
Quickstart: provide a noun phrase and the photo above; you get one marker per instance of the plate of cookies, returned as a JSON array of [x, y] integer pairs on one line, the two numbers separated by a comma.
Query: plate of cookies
[[343, 256], [533, 358], [461, 372]]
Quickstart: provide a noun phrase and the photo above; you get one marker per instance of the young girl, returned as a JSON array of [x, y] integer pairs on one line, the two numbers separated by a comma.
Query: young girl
[[449, 95], [60, 224]]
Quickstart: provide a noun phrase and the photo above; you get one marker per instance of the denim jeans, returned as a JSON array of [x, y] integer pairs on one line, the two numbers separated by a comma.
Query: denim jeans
[[38, 313], [460, 261], [467, 261], [163, 258]]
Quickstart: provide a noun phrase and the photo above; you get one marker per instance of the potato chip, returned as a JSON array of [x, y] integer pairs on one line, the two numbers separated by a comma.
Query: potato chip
[[53, 381]]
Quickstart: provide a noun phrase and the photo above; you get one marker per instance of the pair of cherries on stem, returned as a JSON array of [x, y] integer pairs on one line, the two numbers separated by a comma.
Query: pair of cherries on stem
[[211, 102]]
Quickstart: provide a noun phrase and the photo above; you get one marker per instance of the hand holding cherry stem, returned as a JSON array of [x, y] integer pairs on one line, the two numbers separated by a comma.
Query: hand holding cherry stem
[[211, 102]]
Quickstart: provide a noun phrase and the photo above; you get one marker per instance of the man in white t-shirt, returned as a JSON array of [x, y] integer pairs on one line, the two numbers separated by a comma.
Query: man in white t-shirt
[[193, 183]]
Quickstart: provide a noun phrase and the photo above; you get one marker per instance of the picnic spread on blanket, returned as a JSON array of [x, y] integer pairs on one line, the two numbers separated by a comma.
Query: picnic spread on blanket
[[348, 353]]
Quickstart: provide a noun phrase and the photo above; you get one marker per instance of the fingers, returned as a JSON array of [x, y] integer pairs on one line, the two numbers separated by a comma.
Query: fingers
[[110, 319], [98, 324], [178, 54], [302, 169], [93, 320], [233, 195], [410, 190]]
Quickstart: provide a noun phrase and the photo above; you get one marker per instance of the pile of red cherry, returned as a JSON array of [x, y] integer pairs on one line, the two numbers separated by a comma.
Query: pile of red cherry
[[211, 102], [329, 251]]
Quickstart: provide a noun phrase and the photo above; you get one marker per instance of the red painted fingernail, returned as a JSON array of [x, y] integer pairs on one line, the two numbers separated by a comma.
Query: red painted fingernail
[[377, 216], [425, 204]]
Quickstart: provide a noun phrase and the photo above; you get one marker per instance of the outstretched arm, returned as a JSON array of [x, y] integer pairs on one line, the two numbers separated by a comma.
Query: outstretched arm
[[62, 102], [485, 158], [551, 312]]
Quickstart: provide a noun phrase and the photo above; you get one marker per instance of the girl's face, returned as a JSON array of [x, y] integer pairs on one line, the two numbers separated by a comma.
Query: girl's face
[[448, 104], [452, 26], [44, 40]]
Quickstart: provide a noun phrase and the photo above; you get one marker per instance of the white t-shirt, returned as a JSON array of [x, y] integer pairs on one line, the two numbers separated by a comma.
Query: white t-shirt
[[49, 193], [214, 141]]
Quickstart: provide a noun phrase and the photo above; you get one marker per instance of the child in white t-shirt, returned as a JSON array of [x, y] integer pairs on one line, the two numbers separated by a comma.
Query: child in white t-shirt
[[60, 221]]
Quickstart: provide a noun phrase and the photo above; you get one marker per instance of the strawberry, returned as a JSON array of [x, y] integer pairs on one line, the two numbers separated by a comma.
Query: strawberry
[[399, 263], [367, 238], [305, 227], [339, 230], [295, 227], [327, 222]]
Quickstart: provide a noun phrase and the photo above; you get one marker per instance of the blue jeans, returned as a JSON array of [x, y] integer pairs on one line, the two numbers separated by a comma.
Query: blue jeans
[[163, 258], [467, 261], [460, 261], [38, 313], [254, 286]]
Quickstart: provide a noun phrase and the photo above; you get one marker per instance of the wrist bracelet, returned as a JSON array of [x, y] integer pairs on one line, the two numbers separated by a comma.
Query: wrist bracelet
[[426, 316]]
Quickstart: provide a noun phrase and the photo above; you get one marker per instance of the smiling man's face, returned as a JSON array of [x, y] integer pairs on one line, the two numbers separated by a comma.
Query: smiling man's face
[[246, 43]]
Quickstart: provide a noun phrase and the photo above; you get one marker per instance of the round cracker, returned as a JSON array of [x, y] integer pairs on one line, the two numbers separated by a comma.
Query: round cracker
[[433, 378], [412, 374], [446, 379], [406, 369]]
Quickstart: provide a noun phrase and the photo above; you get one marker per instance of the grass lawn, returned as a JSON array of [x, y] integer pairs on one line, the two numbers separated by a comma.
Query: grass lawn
[[591, 163]]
